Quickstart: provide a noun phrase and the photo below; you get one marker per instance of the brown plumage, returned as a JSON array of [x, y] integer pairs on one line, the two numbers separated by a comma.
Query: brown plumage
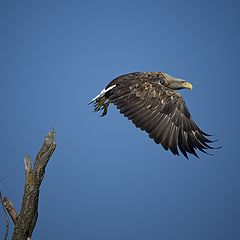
[[150, 101]]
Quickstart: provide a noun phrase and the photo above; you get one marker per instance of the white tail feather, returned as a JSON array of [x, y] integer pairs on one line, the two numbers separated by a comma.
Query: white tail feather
[[102, 93]]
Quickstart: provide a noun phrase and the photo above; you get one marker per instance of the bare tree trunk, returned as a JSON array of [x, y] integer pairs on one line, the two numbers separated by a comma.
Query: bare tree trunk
[[24, 223]]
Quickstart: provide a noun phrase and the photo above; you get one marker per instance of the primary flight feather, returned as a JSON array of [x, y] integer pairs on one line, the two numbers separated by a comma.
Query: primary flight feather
[[151, 102]]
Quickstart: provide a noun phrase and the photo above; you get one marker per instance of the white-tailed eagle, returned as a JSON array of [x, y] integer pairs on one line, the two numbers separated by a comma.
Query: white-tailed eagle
[[151, 102]]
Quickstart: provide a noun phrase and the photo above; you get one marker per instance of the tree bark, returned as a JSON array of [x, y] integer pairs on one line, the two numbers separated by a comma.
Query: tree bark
[[24, 223]]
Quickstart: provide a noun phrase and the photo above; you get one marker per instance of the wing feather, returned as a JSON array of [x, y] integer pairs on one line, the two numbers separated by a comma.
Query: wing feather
[[159, 111]]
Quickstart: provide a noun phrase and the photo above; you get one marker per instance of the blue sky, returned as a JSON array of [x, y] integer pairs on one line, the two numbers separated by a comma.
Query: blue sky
[[107, 179]]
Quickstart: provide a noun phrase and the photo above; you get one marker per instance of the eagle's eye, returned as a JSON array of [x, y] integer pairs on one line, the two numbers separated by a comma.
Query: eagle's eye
[[161, 81]]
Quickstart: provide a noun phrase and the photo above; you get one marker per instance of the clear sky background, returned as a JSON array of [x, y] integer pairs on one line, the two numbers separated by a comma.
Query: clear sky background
[[107, 180]]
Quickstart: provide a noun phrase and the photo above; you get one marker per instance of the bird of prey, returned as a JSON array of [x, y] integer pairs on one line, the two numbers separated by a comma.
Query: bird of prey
[[151, 102]]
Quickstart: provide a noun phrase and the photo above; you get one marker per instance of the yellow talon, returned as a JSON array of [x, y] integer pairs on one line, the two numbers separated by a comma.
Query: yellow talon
[[101, 104]]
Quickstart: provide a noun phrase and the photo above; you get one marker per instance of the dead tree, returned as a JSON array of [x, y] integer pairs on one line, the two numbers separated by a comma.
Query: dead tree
[[25, 221]]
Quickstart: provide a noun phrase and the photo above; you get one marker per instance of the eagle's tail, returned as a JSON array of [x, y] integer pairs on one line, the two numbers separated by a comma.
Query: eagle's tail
[[101, 101]]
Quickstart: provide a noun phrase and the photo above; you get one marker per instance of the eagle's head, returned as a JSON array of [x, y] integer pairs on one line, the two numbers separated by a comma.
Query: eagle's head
[[174, 83]]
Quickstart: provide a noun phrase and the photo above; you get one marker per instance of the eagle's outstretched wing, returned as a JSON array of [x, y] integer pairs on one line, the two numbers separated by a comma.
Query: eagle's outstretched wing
[[159, 111]]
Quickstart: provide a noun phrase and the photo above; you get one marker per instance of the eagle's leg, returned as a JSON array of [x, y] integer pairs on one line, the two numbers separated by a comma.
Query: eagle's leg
[[98, 104], [101, 104], [105, 108]]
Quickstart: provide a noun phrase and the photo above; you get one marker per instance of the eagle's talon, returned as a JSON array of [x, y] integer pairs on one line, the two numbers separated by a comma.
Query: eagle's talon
[[105, 108], [101, 104]]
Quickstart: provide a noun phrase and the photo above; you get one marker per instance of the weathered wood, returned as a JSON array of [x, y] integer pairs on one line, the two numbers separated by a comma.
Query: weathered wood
[[10, 208], [25, 221], [6, 216]]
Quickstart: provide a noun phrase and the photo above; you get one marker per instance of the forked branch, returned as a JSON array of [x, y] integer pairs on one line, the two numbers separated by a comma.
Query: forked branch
[[25, 221]]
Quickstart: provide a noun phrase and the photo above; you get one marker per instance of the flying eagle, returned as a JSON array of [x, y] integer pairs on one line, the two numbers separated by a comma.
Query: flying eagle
[[151, 102]]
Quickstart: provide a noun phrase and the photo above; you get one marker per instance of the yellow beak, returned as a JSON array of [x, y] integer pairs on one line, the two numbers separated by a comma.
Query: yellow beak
[[188, 85]]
